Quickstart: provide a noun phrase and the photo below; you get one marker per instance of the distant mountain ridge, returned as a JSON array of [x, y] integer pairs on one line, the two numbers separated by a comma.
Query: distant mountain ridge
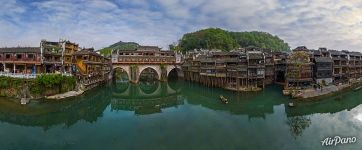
[[124, 45]]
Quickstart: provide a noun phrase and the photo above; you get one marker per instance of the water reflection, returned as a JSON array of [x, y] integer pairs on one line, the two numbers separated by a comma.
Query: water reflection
[[88, 107], [145, 97], [297, 124], [358, 117], [261, 104], [252, 104], [334, 104], [154, 97], [149, 87], [299, 117]]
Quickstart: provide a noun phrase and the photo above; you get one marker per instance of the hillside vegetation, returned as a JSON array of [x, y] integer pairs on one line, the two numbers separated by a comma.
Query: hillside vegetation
[[216, 38]]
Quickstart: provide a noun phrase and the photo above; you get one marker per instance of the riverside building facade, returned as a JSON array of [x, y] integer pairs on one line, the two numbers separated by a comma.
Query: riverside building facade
[[239, 70], [20, 60], [58, 56], [251, 69], [245, 69], [52, 57]]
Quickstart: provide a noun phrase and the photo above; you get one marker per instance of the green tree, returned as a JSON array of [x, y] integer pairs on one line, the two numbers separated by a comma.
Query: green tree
[[215, 38], [211, 38], [175, 47], [106, 51], [260, 39]]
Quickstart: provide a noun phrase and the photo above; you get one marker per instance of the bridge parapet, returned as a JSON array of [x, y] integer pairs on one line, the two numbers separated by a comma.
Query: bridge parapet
[[144, 60], [136, 57]]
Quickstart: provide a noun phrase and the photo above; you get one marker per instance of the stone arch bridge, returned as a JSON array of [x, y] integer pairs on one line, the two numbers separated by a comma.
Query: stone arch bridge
[[135, 62], [134, 70]]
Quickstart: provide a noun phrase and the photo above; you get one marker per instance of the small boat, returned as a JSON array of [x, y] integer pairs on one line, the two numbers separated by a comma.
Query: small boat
[[223, 99], [291, 104], [357, 88]]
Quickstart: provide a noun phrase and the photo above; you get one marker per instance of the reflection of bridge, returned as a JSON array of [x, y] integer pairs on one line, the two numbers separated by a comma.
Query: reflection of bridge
[[145, 99], [140, 91], [135, 62]]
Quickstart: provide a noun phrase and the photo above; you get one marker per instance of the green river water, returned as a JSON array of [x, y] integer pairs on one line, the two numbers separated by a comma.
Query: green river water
[[179, 115]]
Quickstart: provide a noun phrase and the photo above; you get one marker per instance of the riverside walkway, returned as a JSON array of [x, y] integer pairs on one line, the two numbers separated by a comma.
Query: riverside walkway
[[313, 93]]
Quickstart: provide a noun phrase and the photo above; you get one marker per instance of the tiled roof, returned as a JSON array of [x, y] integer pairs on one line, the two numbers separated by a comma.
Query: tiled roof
[[322, 49], [148, 48], [316, 52], [301, 48], [335, 52], [255, 55], [20, 50], [87, 52], [355, 53], [225, 53], [323, 59]]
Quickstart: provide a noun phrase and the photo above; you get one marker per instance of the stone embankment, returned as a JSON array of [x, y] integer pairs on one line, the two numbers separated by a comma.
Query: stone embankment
[[313, 93], [65, 95]]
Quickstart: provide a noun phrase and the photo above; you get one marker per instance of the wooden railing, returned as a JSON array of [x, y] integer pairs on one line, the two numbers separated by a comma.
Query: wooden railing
[[19, 59], [25, 76], [18, 75]]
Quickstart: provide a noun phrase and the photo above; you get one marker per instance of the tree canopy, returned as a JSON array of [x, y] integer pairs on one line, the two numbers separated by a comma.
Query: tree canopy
[[212, 38], [216, 38], [260, 39]]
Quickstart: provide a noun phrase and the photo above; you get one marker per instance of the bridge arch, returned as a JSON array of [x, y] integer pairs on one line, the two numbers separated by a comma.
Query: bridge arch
[[149, 89], [125, 68], [122, 87], [170, 68], [155, 68]]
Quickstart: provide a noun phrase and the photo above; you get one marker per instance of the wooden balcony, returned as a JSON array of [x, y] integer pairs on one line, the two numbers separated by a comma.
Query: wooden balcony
[[256, 75], [52, 61], [21, 60], [222, 75], [236, 75], [256, 66]]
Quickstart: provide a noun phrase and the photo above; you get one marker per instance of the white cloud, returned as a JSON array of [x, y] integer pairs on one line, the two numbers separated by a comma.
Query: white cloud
[[10, 8], [99, 23]]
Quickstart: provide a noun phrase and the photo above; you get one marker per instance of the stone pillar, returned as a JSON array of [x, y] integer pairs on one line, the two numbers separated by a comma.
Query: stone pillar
[[14, 68], [133, 75], [163, 74]]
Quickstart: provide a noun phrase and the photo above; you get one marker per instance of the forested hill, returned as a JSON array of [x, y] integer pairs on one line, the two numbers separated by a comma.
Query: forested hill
[[216, 38], [119, 46]]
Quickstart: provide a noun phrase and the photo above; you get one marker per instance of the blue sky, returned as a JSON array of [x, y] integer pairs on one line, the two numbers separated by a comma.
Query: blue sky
[[335, 24]]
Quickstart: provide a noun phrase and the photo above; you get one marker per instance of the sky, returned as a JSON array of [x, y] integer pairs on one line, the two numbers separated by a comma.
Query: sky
[[335, 24]]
